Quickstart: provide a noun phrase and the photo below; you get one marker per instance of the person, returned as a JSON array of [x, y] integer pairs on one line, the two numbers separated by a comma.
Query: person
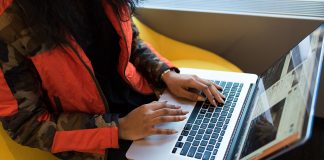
[[76, 80]]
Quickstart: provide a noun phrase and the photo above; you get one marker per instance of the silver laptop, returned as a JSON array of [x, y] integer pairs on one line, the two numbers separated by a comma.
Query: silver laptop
[[263, 116]]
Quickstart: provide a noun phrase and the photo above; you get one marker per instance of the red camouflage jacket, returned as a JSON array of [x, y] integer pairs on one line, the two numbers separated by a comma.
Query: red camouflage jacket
[[50, 98]]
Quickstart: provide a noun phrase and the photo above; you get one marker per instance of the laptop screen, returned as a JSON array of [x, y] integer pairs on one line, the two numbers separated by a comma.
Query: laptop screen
[[284, 101]]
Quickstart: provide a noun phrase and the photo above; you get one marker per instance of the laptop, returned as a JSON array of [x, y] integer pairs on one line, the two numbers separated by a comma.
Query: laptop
[[263, 116]]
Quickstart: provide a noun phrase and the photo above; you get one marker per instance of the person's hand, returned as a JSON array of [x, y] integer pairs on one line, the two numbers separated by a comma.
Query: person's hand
[[178, 84], [141, 121]]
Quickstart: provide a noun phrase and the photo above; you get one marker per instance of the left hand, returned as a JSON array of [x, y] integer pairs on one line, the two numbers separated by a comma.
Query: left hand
[[178, 84]]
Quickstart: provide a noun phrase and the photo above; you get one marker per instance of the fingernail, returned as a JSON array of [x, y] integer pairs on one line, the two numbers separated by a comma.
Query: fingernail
[[185, 112], [214, 103], [177, 107], [201, 98], [174, 131]]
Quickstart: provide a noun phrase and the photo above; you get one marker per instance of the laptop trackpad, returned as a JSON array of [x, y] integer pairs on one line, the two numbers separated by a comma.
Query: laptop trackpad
[[157, 147]]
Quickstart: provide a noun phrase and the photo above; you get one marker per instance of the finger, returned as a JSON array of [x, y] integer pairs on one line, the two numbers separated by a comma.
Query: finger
[[160, 105], [168, 111], [194, 82], [164, 119], [207, 91], [216, 94], [163, 131], [218, 87], [190, 95]]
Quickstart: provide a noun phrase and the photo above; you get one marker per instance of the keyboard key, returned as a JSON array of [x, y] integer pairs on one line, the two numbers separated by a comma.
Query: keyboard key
[[195, 127], [216, 115], [225, 127], [198, 155], [194, 112], [220, 139], [185, 149], [193, 133], [190, 139], [218, 109], [206, 155], [235, 99], [205, 106], [215, 135], [201, 131], [222, 118], [224, 114], [206, 137], [217, 145], [206, 120], [198, 122], [212, 141], [203, 143], [196, 143], [211, 109], [209, 131], [210, 148], [231, 110], [229, 115], [217, 129], [201, 149], [185, 133], [219, 124], [179, 144], [192, 151], [187, 127], [198, 137], [222, 133], [213, 120], [200, 116], [208, 115], [215, 151], [174, 150], [203, 111], [203, 126], [180, 138], [212, 158], [211, 126]]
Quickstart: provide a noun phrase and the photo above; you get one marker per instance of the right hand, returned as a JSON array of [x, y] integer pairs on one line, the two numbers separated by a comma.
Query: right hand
[[141, 121]]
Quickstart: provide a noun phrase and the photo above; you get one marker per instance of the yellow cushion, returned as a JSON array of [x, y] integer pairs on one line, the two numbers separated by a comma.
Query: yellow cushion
[[10, 150], [182, 54]]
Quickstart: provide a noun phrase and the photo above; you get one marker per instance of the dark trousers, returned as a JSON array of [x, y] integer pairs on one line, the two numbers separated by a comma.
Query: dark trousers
[[118, 154]]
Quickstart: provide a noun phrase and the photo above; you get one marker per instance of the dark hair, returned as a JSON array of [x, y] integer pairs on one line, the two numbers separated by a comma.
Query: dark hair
[[50, 20]]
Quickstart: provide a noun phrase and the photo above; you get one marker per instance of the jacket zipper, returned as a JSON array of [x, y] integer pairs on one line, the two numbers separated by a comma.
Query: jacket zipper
[[103, 98]]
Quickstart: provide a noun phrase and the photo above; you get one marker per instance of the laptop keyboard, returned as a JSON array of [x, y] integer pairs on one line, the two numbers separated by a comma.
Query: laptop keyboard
[[203, 133]]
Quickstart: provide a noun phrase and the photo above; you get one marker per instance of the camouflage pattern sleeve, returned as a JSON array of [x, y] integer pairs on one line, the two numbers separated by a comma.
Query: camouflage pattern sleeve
[[34, 122], [148, 62]]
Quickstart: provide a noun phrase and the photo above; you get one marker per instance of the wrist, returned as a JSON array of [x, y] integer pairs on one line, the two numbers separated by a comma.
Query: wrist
[[121, 130], [167, 74]]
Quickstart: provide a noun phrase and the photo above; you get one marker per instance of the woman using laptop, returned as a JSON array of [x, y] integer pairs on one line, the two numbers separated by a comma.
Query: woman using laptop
[[75, 79]]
